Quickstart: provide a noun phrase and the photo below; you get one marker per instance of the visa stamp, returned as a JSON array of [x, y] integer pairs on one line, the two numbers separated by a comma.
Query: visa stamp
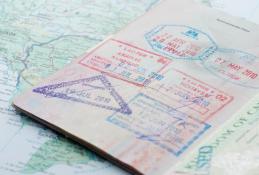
[[235, 66], [160, 124], [126, 62], [181, 42], [95, 91], [190, 95]]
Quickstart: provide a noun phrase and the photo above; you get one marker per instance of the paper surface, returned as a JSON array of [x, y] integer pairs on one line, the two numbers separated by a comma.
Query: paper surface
[[231, 150], [36, 39], [151, 93], [248, 9]]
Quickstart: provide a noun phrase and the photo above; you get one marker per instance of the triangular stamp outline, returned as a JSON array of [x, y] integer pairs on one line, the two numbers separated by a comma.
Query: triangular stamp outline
[[48, 91]]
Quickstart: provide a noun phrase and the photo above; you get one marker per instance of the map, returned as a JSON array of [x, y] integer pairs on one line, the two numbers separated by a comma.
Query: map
[[37, 38], [206, 2]]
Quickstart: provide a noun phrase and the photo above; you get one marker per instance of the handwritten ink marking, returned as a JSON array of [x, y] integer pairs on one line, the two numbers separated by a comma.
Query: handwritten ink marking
[[190, 95]]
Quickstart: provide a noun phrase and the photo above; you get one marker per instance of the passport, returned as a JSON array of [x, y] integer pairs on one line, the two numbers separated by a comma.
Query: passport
[[147, 96]]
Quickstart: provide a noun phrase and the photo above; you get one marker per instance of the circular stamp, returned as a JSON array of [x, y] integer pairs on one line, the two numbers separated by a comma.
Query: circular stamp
[[181, 42], [234, 66]]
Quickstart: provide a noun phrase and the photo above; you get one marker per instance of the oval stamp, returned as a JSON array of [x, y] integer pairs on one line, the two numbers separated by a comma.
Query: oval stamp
[[181, 42], [235, 66]]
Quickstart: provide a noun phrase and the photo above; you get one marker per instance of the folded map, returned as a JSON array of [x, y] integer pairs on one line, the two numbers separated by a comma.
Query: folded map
[[147, 96]]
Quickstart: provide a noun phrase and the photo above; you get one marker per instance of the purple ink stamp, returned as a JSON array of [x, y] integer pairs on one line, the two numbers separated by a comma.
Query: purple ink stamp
[[95, 91]]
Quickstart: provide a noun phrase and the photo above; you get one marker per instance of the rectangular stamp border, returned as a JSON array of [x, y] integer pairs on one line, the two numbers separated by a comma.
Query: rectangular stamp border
[[176, 153], [115, 76], [230, 96]]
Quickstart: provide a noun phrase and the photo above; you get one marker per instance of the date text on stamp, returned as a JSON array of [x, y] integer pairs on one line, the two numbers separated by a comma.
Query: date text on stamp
[[95, 91], [235, 66], [181, 42], [126, 62]]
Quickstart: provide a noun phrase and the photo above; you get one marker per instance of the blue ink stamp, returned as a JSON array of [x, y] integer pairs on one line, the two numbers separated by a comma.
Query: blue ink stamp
[[203, 162], [181, 42], [234, 66], [95, 91], [160, 124], [192, 33]]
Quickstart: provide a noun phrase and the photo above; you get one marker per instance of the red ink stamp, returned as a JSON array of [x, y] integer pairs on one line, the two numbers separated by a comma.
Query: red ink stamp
[[234, 66], [191, 96], [126, 62]]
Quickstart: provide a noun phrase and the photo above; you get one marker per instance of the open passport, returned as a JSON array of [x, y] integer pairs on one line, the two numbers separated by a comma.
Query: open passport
[[147, 96]]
